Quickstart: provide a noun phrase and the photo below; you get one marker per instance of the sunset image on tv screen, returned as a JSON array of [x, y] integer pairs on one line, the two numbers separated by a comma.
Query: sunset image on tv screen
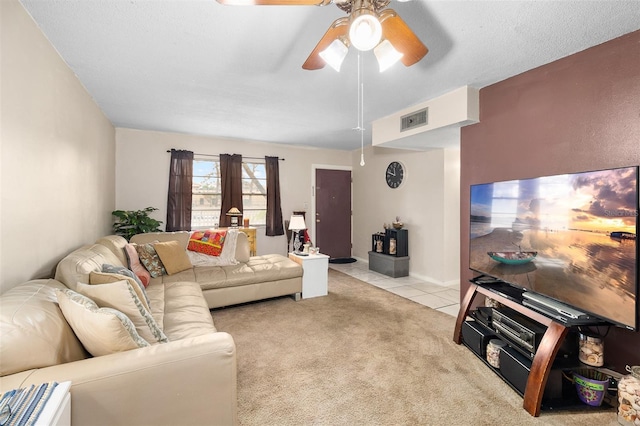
[[571, 237]]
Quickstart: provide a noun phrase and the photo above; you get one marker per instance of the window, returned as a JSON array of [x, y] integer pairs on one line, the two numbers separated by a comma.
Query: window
[[254, 192], [207, 192]]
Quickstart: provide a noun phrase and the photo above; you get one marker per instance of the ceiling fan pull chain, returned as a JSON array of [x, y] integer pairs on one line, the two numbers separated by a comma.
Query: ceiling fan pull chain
[[358, 127], [361, 110]]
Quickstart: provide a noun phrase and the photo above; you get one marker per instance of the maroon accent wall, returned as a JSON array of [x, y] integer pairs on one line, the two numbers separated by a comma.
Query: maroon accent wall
[[578, 113]]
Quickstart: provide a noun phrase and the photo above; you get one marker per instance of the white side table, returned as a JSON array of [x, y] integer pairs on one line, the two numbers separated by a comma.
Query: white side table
[[315, 275]]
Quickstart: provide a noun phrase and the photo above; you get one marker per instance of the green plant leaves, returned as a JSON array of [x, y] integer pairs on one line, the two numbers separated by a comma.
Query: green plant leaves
[[131, 222]]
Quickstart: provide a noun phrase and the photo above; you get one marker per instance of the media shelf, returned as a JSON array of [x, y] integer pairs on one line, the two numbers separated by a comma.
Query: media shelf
[[385, 260], [540, 364], [559, 392], [401, 241], [502, 289]]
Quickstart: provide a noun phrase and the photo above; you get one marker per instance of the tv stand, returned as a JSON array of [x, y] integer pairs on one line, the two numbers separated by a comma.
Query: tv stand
[[549, 344]]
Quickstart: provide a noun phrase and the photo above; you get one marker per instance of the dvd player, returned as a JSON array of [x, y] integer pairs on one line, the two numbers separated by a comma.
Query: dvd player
[[549, 305], [521, 331]]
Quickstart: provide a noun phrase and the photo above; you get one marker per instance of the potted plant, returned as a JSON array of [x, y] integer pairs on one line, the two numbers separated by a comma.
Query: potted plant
[[131, 222]]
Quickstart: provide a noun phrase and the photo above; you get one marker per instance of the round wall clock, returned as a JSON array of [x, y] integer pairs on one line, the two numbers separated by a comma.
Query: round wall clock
[[394, 174]]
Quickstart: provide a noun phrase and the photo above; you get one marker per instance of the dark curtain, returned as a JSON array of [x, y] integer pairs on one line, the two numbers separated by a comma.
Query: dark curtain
[[231, 180], [274, 211], [180, 184]]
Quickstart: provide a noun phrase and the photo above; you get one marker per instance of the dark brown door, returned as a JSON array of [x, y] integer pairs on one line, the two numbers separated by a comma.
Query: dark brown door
[[333, 212]]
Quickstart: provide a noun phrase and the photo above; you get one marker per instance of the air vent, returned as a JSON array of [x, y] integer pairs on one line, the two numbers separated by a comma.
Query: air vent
[[415, 119]]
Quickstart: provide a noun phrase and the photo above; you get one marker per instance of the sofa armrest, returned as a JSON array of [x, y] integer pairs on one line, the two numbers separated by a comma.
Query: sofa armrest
[[243, 251], [189, 381]]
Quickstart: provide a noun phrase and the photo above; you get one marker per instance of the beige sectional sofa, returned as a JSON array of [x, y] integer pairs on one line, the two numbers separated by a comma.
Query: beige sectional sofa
[[253, 278], [191, 379]]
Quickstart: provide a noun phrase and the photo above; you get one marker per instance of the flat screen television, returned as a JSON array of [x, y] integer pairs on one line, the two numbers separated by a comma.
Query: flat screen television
[[571, 237]]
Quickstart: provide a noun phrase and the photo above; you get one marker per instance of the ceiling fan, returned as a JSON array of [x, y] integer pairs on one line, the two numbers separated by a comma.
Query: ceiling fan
[[369, 25]]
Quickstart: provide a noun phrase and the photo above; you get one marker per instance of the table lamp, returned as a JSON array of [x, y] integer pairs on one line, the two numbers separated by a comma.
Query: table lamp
[[234, 213], [296, 224]]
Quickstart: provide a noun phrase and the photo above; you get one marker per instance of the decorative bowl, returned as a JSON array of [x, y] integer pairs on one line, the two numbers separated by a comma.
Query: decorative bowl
[[398, 225], [513, 257]]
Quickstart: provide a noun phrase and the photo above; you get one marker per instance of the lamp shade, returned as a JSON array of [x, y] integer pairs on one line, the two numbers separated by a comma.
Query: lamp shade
[[334, 54], [296, 223], [386, 54], [234, 212], [365, 31]]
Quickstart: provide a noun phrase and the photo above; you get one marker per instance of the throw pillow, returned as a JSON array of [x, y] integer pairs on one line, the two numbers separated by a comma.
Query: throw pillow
[[121, 295], [102, 331], [135, 265], [226, 258], [207, 242], [150, 259], [109, 277], [173, 257]]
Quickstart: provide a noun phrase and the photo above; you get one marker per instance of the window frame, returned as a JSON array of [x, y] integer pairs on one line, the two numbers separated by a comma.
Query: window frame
[[247, 169]]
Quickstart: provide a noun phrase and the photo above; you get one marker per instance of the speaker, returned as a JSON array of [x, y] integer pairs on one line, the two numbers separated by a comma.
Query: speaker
[[476, 336], [515, 368]]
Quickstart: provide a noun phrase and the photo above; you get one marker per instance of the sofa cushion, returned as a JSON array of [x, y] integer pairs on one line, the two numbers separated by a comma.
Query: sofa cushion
[[34, 332], [102, 331], [173, 257], [155, 291], [120, 295], [133, 261], [77, 265], [186, 275], [259, 269], [186, 312], [116, 244], [182, 237]]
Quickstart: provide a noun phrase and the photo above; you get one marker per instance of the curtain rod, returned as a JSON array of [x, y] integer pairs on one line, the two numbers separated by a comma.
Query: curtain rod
[[217, 155]]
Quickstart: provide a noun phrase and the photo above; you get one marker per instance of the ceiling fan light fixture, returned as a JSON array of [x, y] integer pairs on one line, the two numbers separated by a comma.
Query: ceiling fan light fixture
[[365, 31], [334, 54], [386, 54]]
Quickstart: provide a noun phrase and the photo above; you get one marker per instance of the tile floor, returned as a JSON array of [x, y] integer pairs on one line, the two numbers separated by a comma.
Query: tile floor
[[442, 298]]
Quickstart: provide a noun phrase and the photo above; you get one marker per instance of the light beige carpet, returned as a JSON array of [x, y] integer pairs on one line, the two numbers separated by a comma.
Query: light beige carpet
[[364, 356]]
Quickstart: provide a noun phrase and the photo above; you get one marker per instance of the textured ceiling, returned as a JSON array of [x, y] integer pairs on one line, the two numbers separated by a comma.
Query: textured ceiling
[[236, 71]]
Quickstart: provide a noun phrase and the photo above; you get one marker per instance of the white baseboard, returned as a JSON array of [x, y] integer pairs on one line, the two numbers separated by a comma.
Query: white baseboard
[[448, 283]]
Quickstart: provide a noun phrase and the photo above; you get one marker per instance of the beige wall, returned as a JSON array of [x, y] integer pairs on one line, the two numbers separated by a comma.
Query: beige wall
[[427, 202], [142, 171], [57, 155], [79, 168]]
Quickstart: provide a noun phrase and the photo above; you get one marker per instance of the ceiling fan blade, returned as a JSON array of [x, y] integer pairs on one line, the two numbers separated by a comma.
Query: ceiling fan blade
[[339, 28], [402, 38], [275, 2]]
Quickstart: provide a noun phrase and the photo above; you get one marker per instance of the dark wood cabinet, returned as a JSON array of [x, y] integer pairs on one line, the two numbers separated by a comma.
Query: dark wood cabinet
[[401, 237]]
